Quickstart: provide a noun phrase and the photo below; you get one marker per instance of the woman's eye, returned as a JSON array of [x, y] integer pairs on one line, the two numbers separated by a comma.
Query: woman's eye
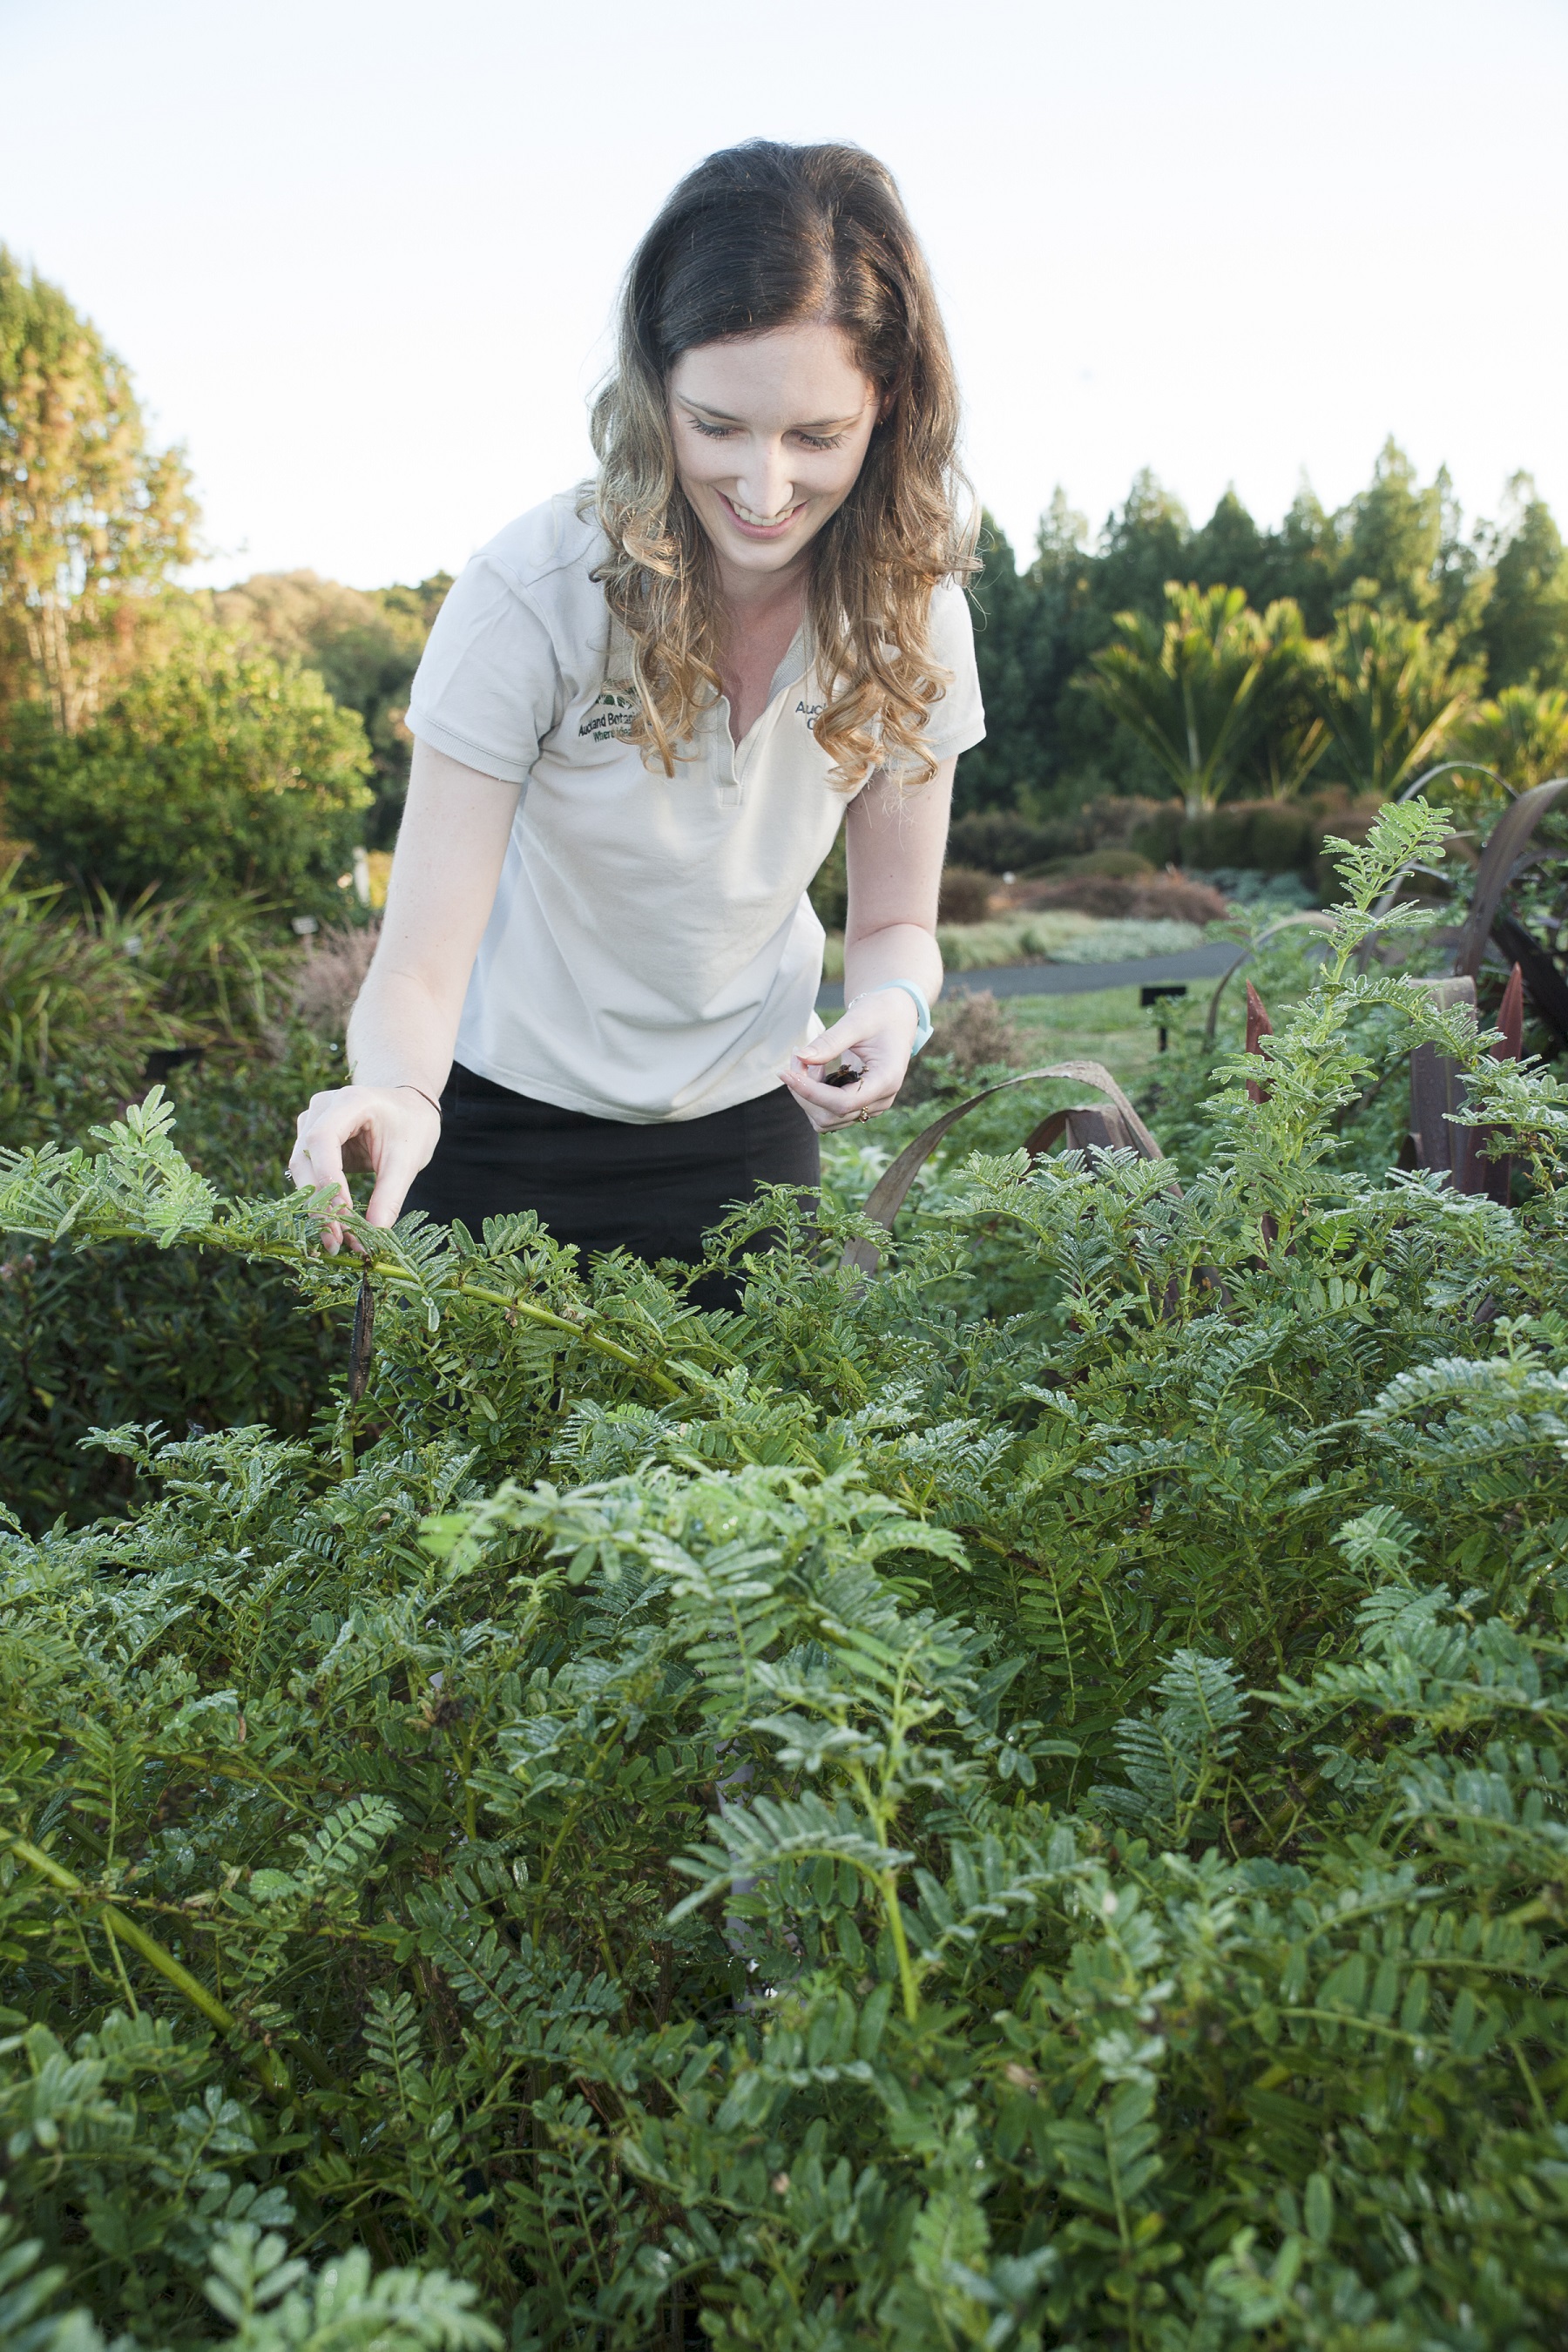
[[711, 432], [822, 441]]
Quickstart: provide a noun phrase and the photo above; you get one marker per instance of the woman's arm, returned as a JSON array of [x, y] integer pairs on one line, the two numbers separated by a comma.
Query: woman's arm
[[895, 837], [450, 850]]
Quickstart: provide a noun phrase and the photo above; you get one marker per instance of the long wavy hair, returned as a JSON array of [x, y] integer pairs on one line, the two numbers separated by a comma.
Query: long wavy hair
[[758, 236]]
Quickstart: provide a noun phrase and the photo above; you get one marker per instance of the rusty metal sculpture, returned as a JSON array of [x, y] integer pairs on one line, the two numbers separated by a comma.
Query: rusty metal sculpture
[[1086, 1127]]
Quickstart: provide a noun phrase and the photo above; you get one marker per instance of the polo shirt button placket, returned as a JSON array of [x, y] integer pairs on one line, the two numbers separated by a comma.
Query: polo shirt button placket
[[727, 774]]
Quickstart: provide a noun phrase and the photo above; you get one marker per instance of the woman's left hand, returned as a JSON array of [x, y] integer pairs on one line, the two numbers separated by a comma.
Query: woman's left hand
[[874, 1036]]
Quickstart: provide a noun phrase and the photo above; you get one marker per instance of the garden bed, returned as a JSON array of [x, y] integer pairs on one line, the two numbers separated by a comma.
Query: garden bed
[[1056, 936]]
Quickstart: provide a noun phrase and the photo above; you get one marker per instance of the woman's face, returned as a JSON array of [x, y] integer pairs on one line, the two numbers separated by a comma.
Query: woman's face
[[770, 432]]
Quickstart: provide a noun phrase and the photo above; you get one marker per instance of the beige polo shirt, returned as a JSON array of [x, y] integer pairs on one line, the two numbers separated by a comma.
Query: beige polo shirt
[[651, 954]]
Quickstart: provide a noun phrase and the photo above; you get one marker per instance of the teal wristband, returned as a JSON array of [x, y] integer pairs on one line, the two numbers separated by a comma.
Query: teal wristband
[[916, 997]]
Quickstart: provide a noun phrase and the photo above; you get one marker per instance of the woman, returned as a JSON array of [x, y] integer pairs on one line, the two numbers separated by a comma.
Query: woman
[[641, 717]]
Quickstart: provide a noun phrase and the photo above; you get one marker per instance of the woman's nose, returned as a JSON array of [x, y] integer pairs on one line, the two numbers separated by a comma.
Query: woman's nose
[[763, 483]]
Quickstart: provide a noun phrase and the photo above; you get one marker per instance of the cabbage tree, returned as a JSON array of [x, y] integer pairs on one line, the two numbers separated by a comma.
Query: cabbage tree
[[1199, 691], [1522, 736], [1392, 694]]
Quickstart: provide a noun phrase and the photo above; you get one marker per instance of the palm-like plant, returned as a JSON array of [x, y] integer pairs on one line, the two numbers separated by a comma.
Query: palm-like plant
[[1392, 694], [1288, 733], [1522, 736], [1214, 685]]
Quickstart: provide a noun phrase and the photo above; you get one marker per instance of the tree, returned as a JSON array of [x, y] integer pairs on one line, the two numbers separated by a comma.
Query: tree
[[1501, 592], [1525, 628], [216, 771], [1019, 659], [1394, 691], [1288, 733], [1406, 539], [1187, 690], [366, 644], [92, 518], [1522, 736]]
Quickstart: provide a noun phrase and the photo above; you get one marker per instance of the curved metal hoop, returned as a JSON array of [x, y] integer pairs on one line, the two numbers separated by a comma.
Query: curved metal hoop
[[1312, 917], [892, 1188], [1505, 845], [1471, 767]]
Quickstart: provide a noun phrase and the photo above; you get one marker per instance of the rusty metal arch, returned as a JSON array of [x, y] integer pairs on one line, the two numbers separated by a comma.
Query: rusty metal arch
[[1408, 792], [1118, 1125], [1506, 845], [1312, 917], [1471, 767]]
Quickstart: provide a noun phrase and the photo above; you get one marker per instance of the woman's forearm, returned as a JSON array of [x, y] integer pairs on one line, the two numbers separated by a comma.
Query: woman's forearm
[[894, 840], [896, 951], [401, 1033]]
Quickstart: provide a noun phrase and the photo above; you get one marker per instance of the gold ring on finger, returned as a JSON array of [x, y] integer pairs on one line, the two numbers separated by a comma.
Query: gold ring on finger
[[865, 1116]]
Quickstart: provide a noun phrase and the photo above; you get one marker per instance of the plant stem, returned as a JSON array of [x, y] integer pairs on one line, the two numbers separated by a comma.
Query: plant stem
[[269, 2066], [888, 1884]]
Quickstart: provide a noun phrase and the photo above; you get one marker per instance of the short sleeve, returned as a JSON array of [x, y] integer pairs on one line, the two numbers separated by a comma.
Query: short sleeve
[[958, 721], [487, 688]]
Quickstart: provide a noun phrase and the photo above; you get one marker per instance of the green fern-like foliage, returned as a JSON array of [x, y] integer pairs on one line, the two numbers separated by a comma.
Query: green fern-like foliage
[[877, 1818]]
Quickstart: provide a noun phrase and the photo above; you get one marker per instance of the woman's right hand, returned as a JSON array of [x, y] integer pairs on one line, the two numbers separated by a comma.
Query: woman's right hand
[[393, 1131]]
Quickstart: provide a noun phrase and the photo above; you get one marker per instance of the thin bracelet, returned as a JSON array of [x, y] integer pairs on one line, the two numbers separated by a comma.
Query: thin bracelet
[[917, 998], [406, 1086]]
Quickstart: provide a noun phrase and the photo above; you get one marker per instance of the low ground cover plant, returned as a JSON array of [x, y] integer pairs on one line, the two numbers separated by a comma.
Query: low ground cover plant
[[1016, 1803]]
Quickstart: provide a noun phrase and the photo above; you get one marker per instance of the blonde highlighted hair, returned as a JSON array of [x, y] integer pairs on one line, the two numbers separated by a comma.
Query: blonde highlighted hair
[[760, 236]]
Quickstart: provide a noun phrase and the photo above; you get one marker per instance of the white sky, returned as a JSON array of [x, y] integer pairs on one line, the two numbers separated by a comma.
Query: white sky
[[361, 256]]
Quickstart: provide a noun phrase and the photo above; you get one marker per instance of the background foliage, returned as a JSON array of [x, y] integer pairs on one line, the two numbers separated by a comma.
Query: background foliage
[[217, 770], [1339, 652], [1495, 601], [93, 519]]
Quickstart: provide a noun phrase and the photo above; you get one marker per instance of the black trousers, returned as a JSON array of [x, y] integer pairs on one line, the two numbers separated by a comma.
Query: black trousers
[[601, 1182]]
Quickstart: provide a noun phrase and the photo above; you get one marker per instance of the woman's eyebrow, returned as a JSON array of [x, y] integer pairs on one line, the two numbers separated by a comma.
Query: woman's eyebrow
[[822, 425]]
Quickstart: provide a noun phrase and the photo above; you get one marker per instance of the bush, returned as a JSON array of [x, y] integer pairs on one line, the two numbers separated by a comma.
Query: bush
[[1116, 864], [972, 1036], [88, 1001], [999, 842], [163, 1335], [1274, 837], [964, 897], [1003, 841], [217, 772], [329, 977], [865, 1821], [89, 995], [1157, 836], [1161, 898]]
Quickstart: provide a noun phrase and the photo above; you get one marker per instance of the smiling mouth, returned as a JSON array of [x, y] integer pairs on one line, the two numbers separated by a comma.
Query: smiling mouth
[[762, 522]]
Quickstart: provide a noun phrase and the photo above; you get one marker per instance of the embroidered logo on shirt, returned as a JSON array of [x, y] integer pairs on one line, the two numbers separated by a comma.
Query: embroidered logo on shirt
[[610, 719], [810, 712]]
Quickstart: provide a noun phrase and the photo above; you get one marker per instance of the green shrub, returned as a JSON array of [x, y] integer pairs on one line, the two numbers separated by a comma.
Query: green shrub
[[87, 993], [171, 1336], [86, 999], [1272, 837], [1158, 834], [999, 842], [1119, 865], [862, 1822], [965, 895], [217, 771]]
